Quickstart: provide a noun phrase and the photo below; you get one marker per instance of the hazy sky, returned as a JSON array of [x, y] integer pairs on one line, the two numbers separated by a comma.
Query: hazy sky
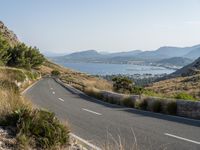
[[106, 25]]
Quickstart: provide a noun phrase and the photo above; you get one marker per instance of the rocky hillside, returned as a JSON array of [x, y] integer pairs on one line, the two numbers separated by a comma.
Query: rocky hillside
[[191, 69], [8, 35], [186, 79]]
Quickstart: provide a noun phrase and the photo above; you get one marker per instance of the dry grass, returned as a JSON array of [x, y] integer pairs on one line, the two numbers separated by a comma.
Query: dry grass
[[11, 101], [118, 143], [76, 77], [12, 74], [171, 87]]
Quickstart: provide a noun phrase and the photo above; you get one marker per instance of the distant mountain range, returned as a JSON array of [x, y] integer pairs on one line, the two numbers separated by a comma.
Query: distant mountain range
[[165, 56]]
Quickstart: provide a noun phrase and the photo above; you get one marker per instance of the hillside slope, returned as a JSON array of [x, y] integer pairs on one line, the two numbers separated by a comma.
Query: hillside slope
[[8, 35], [186, 79]]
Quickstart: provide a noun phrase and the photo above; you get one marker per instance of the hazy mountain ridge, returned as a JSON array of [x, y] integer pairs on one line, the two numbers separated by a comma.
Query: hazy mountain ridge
[[177, 61], [191, 69], [164, 56]]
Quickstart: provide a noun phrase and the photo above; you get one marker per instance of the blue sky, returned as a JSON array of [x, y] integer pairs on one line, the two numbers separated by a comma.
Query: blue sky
[[105, 25]]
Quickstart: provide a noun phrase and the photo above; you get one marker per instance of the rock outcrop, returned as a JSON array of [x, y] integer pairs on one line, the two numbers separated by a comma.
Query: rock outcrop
[[8, 35]]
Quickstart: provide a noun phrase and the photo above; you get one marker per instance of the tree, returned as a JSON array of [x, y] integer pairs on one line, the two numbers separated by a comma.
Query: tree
[[25, 57], [55, 73], [17, 56], [33, 57], [122, 84]]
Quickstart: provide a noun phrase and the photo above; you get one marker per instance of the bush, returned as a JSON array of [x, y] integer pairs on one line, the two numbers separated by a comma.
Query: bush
[[39, 128], [141, 104], [137, 90], [155, 106], [184, 96], [128, 102], [55, 73], [31, 75], [122, 84], [148, 92], [172, 108]]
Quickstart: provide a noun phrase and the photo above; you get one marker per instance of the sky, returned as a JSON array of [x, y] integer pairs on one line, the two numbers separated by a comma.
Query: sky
[[64, 26]]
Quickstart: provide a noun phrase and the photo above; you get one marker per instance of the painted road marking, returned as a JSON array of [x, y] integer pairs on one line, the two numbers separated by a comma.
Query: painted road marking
[[181, 138], [61, 99], [91, 111], [94, 147], [23, 92], [53, 92]]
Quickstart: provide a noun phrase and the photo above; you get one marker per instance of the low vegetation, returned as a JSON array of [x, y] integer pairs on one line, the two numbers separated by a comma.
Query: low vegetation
[[55, 73], [186, 88], [34, 128], [20, 56], [122, 84], [184, 96]]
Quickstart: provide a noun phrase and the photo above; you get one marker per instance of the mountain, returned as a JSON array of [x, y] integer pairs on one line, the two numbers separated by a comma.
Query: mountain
[[166, 56], [84, 54], [175, 61], [125, 54], [168, 52], [195, 53], [8, 35], [191, 69], [52, 54]]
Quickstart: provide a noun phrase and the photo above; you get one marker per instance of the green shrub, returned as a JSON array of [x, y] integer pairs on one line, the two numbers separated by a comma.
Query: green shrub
[[38, 127], [31, 75], [122, 84], [184, 96], [156, 106], [137, 90], [151, 93], [55, 73], [141, 104], [24, 57], [172, 108], [128, 102]]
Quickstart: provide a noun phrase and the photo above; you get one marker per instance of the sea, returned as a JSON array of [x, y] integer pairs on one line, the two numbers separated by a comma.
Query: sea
[[115, 69]]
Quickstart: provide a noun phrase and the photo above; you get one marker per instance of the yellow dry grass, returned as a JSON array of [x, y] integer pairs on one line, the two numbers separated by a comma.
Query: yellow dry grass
[[11, 101], [170, 87]]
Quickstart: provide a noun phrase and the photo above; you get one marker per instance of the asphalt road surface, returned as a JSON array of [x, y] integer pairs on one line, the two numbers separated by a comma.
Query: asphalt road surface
[[105, 124]]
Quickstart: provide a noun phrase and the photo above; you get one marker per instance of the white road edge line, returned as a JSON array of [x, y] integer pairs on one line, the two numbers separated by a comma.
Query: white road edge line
[[181, 138], [29, 87], [61, 99], [86, 142], [92, 111]]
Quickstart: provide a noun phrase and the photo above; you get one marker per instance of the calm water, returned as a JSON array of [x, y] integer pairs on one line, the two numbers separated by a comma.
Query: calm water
[[110, 69]]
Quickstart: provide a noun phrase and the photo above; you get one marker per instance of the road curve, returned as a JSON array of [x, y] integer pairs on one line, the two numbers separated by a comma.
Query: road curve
[[99, 122]]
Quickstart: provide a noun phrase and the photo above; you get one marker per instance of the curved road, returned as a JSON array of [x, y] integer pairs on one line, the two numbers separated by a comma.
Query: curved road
[[101, 123]]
